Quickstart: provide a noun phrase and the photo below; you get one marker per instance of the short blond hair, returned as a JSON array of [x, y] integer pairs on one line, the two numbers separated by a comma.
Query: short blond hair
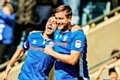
[[64, 8]]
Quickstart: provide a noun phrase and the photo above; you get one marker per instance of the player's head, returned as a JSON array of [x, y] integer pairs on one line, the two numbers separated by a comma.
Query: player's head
[[51, 25], [116, 57], [112, 74], [7, 8], [63, 15]]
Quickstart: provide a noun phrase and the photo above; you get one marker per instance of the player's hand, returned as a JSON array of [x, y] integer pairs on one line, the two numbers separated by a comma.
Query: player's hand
[[76, 28], [6, 73], [48, 50]]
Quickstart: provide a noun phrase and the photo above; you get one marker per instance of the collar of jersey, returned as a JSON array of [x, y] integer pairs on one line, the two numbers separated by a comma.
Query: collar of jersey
[[45, 39], [64, 32]]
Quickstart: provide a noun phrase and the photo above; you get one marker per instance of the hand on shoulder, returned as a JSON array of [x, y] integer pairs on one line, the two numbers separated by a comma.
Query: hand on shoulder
[[76, 28]]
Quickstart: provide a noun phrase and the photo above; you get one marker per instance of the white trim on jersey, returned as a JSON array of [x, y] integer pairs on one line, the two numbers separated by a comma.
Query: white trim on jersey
[[81, 72]]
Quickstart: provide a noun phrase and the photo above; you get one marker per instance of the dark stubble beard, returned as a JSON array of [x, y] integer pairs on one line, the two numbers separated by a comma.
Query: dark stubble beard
[[50, 35], [65, 28]]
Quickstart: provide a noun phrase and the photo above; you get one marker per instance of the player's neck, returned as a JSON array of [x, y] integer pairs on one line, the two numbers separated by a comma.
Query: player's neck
[[47, 37], [68, 27]]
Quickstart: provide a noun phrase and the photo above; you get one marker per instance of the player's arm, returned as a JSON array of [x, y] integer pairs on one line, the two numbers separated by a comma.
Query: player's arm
[[77, 47], [76, 28], [69, 59], [17, 55]]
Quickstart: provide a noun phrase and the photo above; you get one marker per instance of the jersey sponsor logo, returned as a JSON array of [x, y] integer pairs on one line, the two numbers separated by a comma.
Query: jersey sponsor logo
[[78, 43], [36, 48], [34, 42], [57, 43], [63, 44]]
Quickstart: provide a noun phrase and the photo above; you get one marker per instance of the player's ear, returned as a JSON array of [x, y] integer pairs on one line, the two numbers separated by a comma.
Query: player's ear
[[69, 18]]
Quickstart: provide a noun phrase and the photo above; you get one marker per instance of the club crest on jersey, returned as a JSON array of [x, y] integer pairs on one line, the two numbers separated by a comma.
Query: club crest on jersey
[[78, 43], [34, 41], [65, 38], [51, 44]]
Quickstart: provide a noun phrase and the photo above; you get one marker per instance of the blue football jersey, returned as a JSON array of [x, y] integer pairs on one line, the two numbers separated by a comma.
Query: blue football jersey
[[37, 65], [64, 43]]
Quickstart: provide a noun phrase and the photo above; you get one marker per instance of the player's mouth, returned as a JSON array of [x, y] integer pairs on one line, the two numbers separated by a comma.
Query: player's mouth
[[49, 28], [59, 25]]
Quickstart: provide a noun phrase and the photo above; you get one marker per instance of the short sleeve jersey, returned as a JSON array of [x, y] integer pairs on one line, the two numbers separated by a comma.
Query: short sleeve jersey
[[37, 65], [64, 43]]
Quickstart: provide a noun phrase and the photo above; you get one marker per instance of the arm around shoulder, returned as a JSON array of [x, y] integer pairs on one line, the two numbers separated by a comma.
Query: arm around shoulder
[[76, 28], [69, 59]]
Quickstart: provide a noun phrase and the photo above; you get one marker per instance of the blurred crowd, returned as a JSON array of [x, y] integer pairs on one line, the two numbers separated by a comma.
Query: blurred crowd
[[18, 16], [113, 71]]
